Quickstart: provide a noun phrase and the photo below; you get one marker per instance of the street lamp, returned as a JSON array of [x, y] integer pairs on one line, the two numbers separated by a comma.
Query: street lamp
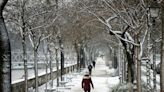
[[57, 64], [78, 56], [61, 56], [154, 9]]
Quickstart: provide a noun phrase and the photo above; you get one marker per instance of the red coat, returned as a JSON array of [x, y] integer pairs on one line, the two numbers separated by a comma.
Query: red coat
[[86, 82]]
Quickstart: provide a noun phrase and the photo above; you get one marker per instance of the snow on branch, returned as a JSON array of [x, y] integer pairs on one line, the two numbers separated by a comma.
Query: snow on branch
[[111, 18], [30, 38], [39, 40], [45, 12], [126, 40], [21, 32], [141, 44], [15, 22], [116, 33], [143, 3], [129, 37], [46, 37], [118, 14], [38, 27], [102, 20], [44, 25]]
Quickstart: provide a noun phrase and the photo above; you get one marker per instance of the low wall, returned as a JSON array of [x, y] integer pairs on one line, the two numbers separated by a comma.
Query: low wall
[[19, 85]]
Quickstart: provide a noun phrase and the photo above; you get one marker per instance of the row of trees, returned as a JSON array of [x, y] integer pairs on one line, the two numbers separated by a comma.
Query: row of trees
[[130, 22], [82, 24], [46, 24]]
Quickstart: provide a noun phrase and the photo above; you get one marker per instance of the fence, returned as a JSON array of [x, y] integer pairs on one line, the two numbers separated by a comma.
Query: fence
[[19, 86]]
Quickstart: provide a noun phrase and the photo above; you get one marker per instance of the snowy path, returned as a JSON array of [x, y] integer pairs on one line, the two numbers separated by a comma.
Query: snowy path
[[99, 78]]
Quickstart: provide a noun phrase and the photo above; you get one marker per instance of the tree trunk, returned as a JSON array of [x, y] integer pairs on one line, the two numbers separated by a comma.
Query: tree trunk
[[57, 61], [78, 61], [57, 67], [61, 58], [46, 70], [51, 69], [120, 61], [81, 57], [45, 51], [24, 48], [36, 70], [24, 53], [25, 62], [62, 63], [138, 73], [129, 56], [5, 54], [138, 61], [162, 51], [77, 55]]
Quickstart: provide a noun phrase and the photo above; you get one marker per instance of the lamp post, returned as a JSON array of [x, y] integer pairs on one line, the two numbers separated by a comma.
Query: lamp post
[[61, 57], [57, 65], [162, 50], [120, 62], [78, 56], [154, 9]]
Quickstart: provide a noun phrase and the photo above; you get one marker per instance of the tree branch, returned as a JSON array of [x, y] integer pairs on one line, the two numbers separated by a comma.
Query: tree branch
[[2, 5]]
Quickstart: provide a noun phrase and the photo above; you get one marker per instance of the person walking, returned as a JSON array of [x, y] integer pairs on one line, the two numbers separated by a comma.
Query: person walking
[[87, 82], [94, 63], [90, 69]]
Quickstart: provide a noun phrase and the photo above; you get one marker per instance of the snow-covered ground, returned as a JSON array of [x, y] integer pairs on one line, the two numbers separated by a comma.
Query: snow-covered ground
[[143, 77], [101, 78], [17, 75]]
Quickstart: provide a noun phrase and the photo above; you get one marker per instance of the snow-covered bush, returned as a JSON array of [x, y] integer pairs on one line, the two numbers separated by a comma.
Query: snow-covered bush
[[125, 87]]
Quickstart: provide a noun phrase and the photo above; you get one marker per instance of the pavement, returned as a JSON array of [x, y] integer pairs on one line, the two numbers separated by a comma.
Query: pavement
[[99, 77]]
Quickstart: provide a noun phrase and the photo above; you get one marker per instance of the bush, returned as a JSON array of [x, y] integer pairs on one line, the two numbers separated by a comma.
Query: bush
[[124, 87]]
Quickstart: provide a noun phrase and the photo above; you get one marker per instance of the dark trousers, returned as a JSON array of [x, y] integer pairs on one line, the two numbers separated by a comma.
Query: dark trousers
[[87, 90], [94, 65], [90, 71]]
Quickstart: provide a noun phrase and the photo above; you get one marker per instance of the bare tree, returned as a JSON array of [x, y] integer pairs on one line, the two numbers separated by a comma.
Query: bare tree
[[123, 21], [162, 51], [5, 53]]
